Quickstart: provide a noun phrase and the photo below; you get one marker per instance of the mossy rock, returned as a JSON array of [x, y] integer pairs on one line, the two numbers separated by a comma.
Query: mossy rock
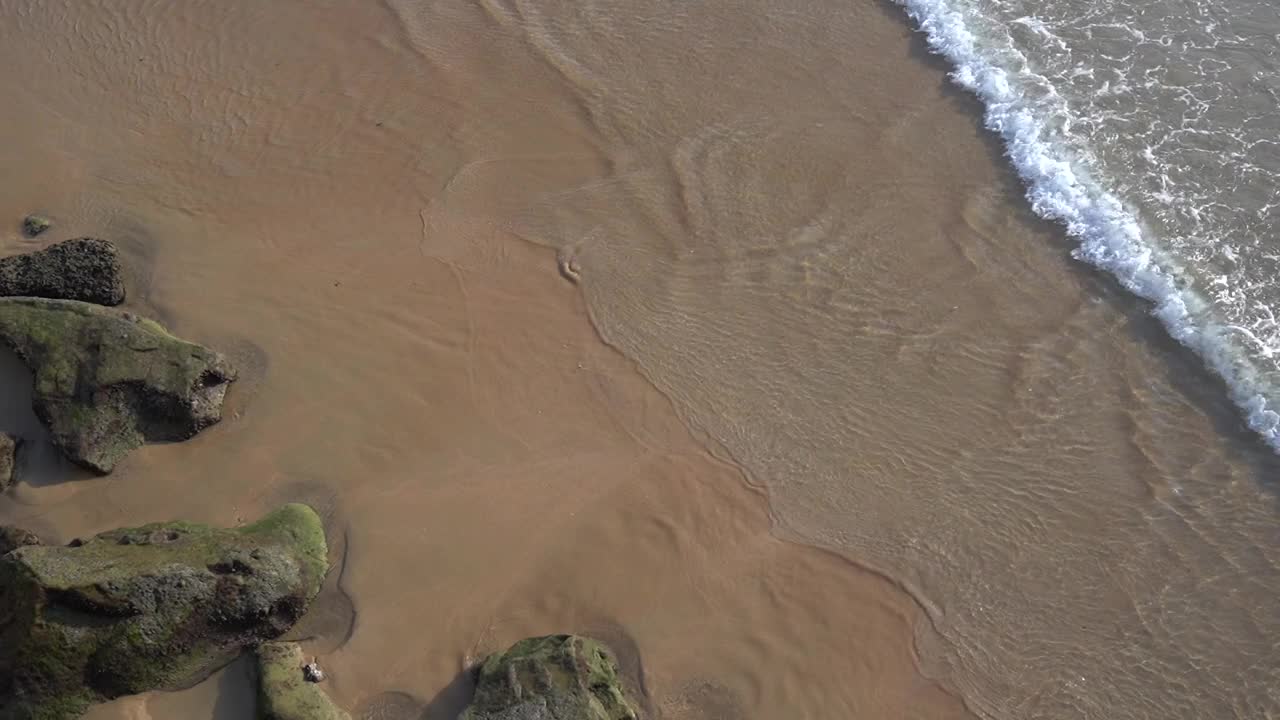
[[283, 691], [8, 459], [556, 677], [85, 269], [12, 538], [33, 225], [107, 381], [157, 607]]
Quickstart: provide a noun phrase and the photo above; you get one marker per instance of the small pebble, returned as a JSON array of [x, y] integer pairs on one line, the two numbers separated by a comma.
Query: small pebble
[[312, 673], [570, 268], [33, 225]]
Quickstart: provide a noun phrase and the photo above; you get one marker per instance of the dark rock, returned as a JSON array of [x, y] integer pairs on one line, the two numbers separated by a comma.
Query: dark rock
[[157, 607], [285, 692], [12, 538], [557, 677], [8, 459], [86, 269], [33, 225], [106, 382]]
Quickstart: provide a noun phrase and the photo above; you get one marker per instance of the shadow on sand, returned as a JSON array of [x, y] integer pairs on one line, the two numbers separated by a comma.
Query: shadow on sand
[[237, 691]]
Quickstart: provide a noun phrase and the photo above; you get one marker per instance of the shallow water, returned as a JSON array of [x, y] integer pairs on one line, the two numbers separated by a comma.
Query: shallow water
[[789, 220], [1150, 131], [281, 180], [813, 250]]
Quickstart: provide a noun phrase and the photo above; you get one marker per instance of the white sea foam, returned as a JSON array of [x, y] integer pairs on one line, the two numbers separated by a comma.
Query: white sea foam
[[1034, 122]]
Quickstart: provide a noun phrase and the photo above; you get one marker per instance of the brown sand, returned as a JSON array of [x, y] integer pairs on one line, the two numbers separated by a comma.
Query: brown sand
[[783, 217], [807, 241], [498, 472], [280, 177]]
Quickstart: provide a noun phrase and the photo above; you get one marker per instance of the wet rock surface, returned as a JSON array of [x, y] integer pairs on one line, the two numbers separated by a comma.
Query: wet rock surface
[[85, 269], [12, 538], [285, 692], [105, 382], [149, 608], [33, 225], [556, 677]]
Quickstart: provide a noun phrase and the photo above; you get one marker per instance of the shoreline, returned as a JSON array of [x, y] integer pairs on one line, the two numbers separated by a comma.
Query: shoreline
[[664, 445], [562, 320], [1056, 182]]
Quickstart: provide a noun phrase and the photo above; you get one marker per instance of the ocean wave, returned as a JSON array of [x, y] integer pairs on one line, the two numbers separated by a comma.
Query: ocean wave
[[1034, 122]]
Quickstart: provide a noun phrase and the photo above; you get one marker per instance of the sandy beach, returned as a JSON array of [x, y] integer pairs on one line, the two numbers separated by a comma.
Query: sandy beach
[[821, 422], [425, 378], [476, 507]]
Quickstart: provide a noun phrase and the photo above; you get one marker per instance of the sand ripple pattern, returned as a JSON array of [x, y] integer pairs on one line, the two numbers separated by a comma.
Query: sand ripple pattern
[[784, 216], [811, 248]]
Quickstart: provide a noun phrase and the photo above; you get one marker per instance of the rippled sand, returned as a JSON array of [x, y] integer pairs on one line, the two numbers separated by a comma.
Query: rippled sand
[[279, 179], [798, 242]]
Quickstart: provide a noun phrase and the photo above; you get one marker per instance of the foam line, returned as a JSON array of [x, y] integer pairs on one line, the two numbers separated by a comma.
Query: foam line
[[1029, 116]]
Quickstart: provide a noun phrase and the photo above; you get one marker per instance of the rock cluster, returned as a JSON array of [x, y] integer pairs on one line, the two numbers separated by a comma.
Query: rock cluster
[[105, 381], [164, 605], [154, 607]]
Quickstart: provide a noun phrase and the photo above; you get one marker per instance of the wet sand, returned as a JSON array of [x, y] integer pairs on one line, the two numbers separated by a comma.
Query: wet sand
[[815, 250], [488, 468], [828, 317], [492, 471]]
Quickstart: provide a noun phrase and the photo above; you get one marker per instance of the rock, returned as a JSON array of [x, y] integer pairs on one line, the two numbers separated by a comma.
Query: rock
[[157, 607], [312, 673], [33, 225], [557, 677], [284, 693], [106, 382], [12, 538], [8, 459], [86, 269]]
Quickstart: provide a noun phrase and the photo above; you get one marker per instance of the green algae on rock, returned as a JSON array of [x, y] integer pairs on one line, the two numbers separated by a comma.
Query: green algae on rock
[[8, 459], [107, 381], [283, 691], [556, 677], [33, 225], [85, 269], [157, 607], [12, 538]]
